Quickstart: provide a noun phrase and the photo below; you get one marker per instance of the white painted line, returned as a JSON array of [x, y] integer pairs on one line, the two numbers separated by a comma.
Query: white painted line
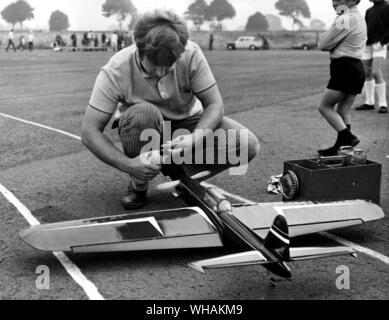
[[356, 247], [24, 211], [41, 126], [88, 287]]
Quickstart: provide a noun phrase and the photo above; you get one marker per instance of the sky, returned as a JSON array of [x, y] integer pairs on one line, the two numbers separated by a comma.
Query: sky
[[86, 14]]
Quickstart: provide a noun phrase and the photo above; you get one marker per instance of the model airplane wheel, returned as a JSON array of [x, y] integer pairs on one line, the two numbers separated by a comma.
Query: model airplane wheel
[[290, 185]]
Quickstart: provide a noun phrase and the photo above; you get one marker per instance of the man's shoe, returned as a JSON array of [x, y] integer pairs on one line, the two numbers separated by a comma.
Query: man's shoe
[[134, 199], [383, 110], [365, 107]]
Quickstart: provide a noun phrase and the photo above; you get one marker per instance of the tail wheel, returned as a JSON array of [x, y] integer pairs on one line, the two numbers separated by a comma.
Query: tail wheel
[[290, 185]]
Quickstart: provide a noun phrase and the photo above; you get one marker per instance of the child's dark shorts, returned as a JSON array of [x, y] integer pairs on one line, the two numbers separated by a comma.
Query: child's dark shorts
[[347, 75]]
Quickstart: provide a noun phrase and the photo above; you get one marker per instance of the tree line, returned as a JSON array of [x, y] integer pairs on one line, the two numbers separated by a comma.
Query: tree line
[[21, 11], [199, 12]]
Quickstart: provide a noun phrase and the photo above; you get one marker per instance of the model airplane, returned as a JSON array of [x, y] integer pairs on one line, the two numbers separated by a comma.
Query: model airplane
[[262, 230]]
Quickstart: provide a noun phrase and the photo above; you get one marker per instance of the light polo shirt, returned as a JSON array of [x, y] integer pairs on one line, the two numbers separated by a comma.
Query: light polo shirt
[[123, 80], [347, 37]]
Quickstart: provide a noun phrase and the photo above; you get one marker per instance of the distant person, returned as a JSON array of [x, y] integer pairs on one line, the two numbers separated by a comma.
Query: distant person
[[265, 43], [73, 39], [31, 41], [22, 43], [103, 39], [346, 45], [59, 41], [91, 38], [120, 41], [377, 19], [211, 40], [11, 43], [85, 40], [114, 41], [96, 41], [127, 39]]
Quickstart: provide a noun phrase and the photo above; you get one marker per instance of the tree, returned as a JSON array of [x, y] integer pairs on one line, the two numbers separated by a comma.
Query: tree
[[274, 22], [122, 9], [17, 12], [317, 24], [198, 13], [134, 20], [221, 10], [294, 9], [59, 21], [257, 22]]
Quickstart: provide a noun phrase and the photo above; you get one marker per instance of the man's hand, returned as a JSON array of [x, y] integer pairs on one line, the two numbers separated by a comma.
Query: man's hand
[[182, 144], [142, 169]]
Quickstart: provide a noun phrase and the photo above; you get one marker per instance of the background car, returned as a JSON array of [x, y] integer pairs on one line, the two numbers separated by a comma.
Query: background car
[[250, 43], [304, 45]]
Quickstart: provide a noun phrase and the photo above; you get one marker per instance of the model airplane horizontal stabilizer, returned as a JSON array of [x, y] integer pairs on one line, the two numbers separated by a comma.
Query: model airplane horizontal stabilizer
[[234, 260], [278, 244], [306, 253], [256, 258]]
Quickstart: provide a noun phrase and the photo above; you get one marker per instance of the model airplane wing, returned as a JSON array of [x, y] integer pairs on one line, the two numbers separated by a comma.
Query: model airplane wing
[[306, 217], [190, 227], [159, 230]]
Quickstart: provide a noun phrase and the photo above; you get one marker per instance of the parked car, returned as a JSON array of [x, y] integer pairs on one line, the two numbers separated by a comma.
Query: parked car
[[250, 43], [304, 45]]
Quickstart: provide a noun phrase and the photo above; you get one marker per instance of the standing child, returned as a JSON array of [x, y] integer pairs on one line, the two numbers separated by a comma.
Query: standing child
[[377, 19], [346, 41]]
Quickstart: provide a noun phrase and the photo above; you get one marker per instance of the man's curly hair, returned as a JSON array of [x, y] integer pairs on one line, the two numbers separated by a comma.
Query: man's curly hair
[[161, 36]]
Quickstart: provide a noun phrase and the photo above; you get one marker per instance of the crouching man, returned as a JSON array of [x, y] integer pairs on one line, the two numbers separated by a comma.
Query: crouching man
[[163, 81]]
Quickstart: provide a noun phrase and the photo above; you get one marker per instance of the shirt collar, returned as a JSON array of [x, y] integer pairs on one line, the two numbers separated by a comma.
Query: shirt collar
[[142, 71]]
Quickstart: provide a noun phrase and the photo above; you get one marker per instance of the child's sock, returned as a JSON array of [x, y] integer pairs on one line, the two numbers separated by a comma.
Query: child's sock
[[381, 93], [370, 92]]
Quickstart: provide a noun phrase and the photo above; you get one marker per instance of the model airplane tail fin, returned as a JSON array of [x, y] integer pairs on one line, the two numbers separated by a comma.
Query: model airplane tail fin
[[277, 240]]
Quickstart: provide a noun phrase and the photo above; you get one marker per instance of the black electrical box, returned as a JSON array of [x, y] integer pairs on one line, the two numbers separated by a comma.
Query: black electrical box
[[334, 180]]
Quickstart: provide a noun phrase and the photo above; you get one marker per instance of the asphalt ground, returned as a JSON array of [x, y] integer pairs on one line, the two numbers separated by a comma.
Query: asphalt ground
[[275, 94]]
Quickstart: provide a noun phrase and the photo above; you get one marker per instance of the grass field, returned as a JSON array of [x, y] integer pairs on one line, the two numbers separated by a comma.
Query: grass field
[[274, 93]]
